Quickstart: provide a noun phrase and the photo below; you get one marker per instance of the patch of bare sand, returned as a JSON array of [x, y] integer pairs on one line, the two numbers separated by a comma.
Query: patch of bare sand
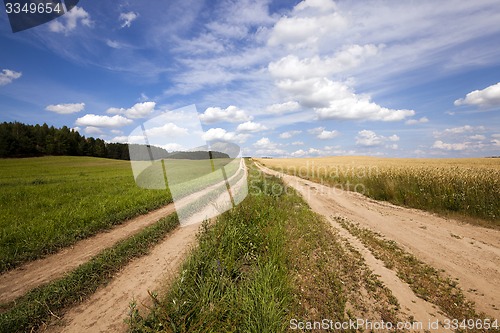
[[107, 309]]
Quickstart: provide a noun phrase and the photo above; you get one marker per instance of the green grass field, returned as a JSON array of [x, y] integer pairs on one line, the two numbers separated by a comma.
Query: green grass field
[[47, 203]]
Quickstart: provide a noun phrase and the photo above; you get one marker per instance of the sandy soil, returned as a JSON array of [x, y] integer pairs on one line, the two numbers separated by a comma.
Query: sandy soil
[[468, 253], [17, 282], [108, 308]]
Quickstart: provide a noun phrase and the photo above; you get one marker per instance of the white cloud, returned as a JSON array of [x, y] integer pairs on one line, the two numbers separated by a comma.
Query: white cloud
[[266, 144], [477, 137], [250, 126], [93, 130], [102, 121], [459, 130], [335, 100], [496, 135], [173, 147], [297, 143], [7, 76], [128, 18], [496, 142], [422, 120], [289, 134], [139, 110], [294, 68], [69, 21], [368, 138], [283, 107], [308, 152], [449, 146], [167, 130], [66, 108], [323, 134], [231, 114], [309, 21], [120, 139], [214, 134], [489, 96]]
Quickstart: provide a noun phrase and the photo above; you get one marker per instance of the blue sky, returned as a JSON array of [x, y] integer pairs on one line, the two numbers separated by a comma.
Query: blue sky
[[280, 78]]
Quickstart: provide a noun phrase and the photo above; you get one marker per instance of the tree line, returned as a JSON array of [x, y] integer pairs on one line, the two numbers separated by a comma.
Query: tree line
[[21, 140]]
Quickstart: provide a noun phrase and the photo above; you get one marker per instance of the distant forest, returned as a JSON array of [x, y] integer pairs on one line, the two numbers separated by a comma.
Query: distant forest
[[21, 140]]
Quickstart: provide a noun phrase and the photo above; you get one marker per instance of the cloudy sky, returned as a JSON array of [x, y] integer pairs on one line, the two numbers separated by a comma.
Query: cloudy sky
[[280, 78]]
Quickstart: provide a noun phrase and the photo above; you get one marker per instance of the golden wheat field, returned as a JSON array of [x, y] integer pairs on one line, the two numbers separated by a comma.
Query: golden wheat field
[[468, 187]]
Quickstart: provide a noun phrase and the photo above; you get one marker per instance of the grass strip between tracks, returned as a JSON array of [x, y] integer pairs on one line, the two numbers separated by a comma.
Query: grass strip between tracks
[[39, 305], [259, 267]]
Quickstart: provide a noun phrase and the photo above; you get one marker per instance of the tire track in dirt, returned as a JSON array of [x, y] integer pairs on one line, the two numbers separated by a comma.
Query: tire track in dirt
[[466, 252], [107, 309], [17, 282]]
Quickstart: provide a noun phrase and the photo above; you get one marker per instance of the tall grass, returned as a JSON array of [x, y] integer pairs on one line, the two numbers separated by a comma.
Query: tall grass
[[460, 187], [237, 278], [50, 202]]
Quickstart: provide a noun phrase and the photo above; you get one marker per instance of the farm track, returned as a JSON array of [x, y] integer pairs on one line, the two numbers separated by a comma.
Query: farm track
[[17, 282], [108, 308], [467, 253]]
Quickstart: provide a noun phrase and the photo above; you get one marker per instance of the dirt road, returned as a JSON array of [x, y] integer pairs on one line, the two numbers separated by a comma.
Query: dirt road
[[107, 309], [17, 282], [467, 253]]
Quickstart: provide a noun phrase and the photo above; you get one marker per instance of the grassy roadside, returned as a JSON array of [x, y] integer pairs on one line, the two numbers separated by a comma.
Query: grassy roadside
[[425, 281], [265, 266], [39, 305], [48, 203]]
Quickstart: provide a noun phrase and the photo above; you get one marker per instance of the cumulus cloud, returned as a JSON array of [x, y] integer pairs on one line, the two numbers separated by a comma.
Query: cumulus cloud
[[487, 97], [230, 114], [294, 68], [283, 107], [214, 134], [102, 121], [449, 146], [139, 110], [167, 130], [368, 138], [7, 76], [250, 126], [323, 134], [69, 21], [309, 21], [336, 100], [66, 108], [93, 130], [289, 134], [422, 120], [128, 18]]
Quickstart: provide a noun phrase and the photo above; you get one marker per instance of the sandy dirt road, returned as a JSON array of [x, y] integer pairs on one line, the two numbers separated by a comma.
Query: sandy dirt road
[[17, 282], [468, 253], [107, 309]]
